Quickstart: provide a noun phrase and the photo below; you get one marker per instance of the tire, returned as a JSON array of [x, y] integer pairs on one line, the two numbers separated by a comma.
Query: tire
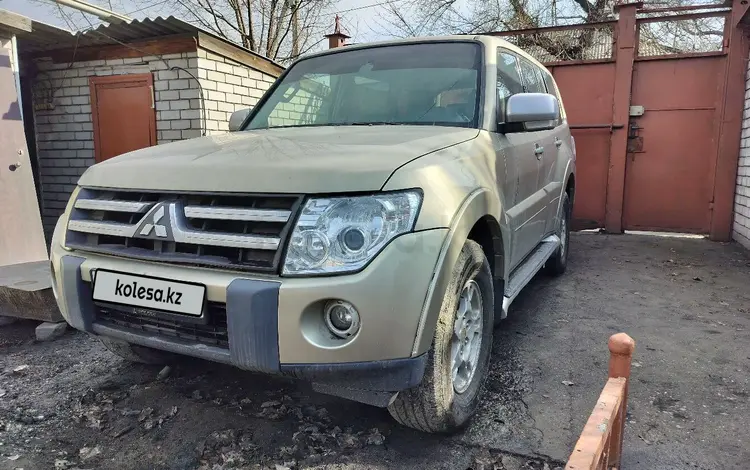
[[558, 262], [439, 404], [135, 353]]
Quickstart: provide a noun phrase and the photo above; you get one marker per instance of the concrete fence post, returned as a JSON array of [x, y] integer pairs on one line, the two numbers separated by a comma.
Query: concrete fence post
[[621, 348]]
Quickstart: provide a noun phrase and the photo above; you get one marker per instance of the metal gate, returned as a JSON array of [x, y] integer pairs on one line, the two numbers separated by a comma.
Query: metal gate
[[654, 100]]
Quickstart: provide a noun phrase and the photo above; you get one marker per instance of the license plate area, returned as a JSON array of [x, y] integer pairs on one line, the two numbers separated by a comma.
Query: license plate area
[[151, 296]]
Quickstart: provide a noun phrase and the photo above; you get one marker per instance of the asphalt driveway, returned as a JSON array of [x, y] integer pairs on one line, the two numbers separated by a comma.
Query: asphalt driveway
[[70, 403]]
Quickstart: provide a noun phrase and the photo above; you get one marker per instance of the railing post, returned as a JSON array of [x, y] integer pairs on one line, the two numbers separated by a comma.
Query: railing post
[[624, 53], [621, 347]]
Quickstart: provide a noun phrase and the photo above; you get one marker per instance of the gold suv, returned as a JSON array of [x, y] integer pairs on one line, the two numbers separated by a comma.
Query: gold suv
[[362, 228]]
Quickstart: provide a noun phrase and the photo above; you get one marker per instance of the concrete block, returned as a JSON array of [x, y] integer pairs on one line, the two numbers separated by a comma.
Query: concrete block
[[221, 96], [216, 76], [234, 80], [179, 104], [189, 94], [239, 71], [190, 114], [48, 331], [224, 87], [226, 68], [167, 75], [191, 133], [181, 124], [168, 95], [178, 84]]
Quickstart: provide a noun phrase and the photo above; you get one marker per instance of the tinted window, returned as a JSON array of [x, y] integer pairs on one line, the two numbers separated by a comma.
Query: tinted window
[[532, 78], [430, 84]]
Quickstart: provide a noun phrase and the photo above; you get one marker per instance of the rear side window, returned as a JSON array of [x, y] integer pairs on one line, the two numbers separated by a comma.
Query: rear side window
[[532, 78]]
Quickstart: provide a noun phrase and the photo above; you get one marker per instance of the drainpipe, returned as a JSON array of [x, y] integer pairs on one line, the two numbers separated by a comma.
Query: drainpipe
[[15, 67], [101, 13]]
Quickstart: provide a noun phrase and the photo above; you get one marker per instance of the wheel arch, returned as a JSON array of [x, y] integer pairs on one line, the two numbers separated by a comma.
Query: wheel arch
[[478, 218]]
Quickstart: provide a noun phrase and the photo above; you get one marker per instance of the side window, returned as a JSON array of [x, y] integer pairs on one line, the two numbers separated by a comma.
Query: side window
[[508, 78], [532, 78], [552, 87]]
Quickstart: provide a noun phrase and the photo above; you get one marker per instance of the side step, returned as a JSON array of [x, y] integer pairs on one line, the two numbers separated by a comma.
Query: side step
[[526, 271]]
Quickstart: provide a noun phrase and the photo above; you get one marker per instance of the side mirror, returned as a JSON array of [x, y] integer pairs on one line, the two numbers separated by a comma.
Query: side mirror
[[532, 111], [237, 118]]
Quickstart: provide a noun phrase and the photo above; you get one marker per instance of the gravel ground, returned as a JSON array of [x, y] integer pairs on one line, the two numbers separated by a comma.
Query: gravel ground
[[71, 404]]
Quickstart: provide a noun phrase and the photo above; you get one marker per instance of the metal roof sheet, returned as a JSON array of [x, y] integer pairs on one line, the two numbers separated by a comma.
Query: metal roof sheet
[[44, 37]]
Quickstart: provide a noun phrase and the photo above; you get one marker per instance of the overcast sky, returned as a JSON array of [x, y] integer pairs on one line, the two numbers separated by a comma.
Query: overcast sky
[[361, 23]]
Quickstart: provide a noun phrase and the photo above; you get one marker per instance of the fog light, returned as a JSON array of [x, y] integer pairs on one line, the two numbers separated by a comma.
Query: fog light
[[341, 318]]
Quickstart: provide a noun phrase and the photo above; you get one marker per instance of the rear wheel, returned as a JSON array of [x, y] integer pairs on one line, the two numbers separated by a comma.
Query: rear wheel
[[459, 358], [135, 353], [558, 262]]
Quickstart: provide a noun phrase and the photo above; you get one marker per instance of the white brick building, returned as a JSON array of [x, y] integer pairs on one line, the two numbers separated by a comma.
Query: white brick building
[[194, 81], [741, 229]]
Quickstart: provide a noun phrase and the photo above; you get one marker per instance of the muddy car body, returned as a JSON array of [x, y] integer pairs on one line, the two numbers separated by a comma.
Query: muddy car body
[[363, 229]]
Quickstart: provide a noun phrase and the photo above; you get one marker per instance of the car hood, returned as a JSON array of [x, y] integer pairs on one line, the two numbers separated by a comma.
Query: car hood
[[282, 160]]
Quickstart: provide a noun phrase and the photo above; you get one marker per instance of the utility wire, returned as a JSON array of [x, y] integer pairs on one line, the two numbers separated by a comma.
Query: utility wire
[[373, 5], [172, 68]]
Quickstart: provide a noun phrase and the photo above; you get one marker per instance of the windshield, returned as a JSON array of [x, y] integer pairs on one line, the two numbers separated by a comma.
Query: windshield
[[423, 84]]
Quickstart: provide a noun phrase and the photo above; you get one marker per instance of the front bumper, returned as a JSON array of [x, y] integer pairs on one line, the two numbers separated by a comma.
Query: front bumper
[[271, 321]]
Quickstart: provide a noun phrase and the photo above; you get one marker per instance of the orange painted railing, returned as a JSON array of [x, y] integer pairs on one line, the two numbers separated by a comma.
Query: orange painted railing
[[600, 444]]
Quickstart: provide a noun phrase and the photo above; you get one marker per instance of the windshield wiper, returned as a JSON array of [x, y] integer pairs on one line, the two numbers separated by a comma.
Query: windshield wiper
[[370, 123]]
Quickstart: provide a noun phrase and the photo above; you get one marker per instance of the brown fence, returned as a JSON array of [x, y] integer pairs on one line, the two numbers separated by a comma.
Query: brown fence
[[600, 444], [654, 100]]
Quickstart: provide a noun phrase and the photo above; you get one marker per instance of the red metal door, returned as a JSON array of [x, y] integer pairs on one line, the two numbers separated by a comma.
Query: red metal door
[[586, 90], [672, 148], [123, 114]]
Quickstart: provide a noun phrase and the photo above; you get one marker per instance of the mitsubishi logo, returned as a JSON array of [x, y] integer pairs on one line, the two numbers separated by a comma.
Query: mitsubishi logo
[[161, 230], [156, 224]]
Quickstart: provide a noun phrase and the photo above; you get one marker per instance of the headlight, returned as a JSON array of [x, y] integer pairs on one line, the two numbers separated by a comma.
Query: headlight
[[335, 235]]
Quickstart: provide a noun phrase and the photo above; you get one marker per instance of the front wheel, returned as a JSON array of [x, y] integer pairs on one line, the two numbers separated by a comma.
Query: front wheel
[[460, 355]]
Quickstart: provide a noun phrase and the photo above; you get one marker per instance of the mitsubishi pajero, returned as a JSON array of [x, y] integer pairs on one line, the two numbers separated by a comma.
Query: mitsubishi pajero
[[362, 228]]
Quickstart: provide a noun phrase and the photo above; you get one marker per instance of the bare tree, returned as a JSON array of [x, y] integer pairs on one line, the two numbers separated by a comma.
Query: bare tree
[[279, 29], [428, 17], [431, 17]]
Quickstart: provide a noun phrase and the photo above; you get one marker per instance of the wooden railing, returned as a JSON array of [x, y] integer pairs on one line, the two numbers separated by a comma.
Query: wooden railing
[[600, 444]]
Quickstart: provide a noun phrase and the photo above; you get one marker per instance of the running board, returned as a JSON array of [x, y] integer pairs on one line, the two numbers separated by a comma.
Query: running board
[[526, 271]]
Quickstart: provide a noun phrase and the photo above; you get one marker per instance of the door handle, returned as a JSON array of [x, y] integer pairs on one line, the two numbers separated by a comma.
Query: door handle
[[558, 142], [14, 166], [538, 151]]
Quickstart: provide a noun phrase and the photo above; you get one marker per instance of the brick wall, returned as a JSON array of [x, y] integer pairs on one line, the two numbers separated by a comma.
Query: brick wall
[[741, 231], [64, 133], [228, 86]]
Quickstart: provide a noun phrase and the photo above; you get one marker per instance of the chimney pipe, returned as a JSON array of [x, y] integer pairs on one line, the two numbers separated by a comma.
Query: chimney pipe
[[337, 38]]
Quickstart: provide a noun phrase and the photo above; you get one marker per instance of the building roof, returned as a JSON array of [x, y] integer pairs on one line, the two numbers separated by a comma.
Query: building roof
[[13, 23], [46, 38]]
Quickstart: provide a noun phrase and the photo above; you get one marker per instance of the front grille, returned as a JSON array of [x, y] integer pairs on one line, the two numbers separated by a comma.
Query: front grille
[[246, 232], [214, 333]]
